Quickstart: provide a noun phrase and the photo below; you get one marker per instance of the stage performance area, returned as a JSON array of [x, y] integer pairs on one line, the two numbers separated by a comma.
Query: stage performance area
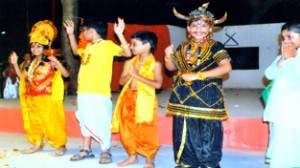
[[245, 135]]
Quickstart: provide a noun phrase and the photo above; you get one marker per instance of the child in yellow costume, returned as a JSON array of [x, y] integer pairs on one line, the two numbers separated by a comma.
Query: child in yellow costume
[[41, 92], [135, 115]]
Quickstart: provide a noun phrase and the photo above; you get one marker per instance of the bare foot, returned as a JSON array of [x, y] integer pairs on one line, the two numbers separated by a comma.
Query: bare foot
[[33, 149], [149, 163], [60, 151], [130, 160]]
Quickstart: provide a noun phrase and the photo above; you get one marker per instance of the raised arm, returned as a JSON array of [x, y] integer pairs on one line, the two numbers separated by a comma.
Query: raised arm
[[169, 52], [13, 59], [119, 30], [69, 27]]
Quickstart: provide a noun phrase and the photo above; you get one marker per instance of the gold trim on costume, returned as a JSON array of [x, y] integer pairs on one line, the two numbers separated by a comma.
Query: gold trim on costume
[[220, 55], [183, 139], [224, 115], [194, 93]]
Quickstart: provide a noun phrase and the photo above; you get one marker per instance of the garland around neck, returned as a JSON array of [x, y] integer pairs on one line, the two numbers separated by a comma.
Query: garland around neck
[[33, 65], [87, 54]]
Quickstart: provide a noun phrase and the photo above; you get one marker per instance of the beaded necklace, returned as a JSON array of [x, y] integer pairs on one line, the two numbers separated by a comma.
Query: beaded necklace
[[189, 56], [88, 52], [33, 65]]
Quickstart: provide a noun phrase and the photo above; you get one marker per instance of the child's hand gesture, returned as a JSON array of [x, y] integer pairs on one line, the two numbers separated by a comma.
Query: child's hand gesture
[[53, 59], [119, 27], [13, 58], [169, 51], [69, 26], [189, 76], [288, 50], [133, 71]]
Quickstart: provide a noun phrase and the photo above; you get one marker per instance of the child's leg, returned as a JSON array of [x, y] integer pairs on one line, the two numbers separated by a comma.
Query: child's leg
[[86, 151], [270, 148], [132, 159], [149, 163], [86, 142], [128, 127], [148, 140]]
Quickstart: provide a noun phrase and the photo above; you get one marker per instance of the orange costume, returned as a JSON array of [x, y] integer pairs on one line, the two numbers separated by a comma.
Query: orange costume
[[135, 115]]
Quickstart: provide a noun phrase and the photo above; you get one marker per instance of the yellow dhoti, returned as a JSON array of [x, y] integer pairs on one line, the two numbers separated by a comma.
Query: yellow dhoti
[[44, 115], [49, 122]]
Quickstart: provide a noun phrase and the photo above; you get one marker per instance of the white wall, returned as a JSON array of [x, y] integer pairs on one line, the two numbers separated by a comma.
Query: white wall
[[264, 36]]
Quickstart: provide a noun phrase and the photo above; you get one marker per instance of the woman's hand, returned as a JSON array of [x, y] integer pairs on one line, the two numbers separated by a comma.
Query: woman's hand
[[119, 27], [69, 26]]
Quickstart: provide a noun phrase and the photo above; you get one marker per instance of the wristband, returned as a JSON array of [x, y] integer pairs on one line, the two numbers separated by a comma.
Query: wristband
[[201, 76], [167, 59]]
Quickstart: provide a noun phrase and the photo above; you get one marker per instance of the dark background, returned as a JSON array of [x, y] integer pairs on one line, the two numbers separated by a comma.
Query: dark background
[[18, 16]]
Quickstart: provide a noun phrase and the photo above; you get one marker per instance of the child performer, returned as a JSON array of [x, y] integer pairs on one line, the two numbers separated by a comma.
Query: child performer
[[94, 93], [197, 100], [42, 91], [271, 73], [135, 115], [281, 110]]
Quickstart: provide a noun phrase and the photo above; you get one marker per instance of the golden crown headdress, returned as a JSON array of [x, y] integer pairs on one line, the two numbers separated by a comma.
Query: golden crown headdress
[[43, 32], [200, 14]]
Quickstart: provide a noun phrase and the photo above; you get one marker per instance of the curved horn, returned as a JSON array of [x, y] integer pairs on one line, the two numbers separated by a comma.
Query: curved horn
[[219, 21], [178, 15], [204, 6]]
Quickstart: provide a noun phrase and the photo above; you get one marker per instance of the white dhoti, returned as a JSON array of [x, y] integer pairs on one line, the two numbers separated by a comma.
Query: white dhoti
[[286, 150], [94, 115]]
